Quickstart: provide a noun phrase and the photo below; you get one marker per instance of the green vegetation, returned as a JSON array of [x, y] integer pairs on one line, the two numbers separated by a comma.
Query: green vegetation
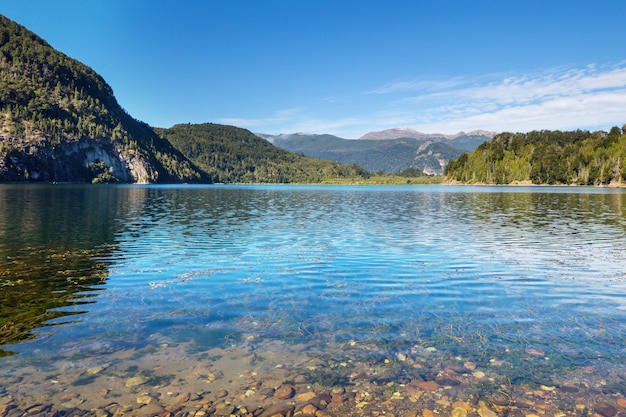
[[546, 157], [389, 155], [59, 120], [233, 155]]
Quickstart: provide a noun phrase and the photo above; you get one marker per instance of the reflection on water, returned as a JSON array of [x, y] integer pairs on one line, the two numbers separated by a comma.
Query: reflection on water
[[392, 285], [48, 240]]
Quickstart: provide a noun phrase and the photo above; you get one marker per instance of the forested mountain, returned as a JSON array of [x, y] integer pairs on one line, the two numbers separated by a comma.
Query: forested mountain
[[546, 157], [230, 154], [465, 141], [61, 122], [393, 156]]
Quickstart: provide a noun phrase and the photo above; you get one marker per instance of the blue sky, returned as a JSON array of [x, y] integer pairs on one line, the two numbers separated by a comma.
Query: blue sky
[[350, 67]]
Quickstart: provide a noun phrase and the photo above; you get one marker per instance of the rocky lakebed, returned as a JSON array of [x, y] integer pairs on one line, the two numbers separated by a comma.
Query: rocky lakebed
[[274, 380]]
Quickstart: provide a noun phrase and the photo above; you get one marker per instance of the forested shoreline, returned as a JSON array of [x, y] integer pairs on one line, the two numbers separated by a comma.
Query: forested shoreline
[[545, 157]]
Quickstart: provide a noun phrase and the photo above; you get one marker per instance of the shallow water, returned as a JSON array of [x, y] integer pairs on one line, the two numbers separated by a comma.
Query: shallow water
[[531, 279]]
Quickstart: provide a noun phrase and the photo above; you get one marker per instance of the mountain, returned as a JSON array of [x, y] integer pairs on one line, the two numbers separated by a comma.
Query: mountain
[[393, 155], [465, 141], [546, 157], [230, 154], [61, 122]]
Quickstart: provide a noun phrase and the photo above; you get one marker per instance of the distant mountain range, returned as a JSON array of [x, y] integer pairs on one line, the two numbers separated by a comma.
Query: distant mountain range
[[392, 150], [466, 141]]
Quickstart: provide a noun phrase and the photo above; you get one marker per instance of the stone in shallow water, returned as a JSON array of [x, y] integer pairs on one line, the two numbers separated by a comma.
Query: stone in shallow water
[[136, 380], [605, 409], [338, 399], [69, 396], [306, 396], [470, 365], [448, 382], [485, 411], [150, 410], [224, 409], [146, 399], [182, 398], [428, 385], [414, 392], [284, 392], [276, 409], [459, 412], [96, 369], [309, 409], [568, 388], [267, 392], [462, 404]]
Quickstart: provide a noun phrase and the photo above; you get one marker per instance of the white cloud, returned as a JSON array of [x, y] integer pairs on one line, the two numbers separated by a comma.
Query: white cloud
[[280, 116], [560, 98], [592, 97], [417, 85], [294, 120]]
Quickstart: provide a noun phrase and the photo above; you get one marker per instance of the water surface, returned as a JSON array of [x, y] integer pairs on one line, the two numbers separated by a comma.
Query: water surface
[[526, 283]]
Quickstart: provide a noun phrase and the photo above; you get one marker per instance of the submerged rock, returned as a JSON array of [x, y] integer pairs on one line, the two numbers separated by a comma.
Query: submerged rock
[[459, 412], [224, 409], [136, 380], [428, 385], [485, 411], [277, 409], [284, 392], [146, 399], [151, 410], [605, 409]]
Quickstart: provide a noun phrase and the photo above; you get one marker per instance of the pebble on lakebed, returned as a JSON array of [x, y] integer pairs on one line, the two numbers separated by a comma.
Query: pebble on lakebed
[[422, 382]]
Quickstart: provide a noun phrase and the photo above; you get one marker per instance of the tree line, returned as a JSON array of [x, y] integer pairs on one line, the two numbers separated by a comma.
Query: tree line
[[230, 154], [545, 157]]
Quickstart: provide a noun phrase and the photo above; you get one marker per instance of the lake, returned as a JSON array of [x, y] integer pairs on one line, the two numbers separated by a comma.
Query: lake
[[353, 300]]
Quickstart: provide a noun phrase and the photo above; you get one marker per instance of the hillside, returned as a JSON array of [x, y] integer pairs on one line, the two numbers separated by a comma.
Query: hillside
[[393, 156], [546, 157], [466, 141], [233, 155], [59, 121]]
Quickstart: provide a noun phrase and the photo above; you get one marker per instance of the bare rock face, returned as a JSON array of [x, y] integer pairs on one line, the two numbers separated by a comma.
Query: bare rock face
[[75, 161], [94, 152]]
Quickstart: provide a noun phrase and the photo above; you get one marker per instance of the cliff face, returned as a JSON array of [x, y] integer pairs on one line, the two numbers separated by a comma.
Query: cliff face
[[84, 160], [59, 121]]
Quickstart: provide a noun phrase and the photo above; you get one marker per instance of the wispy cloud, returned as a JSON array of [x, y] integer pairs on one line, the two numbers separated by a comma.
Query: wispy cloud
[[277, 118], [591, 97], [294, 120], [558, 98], [405, 86]]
